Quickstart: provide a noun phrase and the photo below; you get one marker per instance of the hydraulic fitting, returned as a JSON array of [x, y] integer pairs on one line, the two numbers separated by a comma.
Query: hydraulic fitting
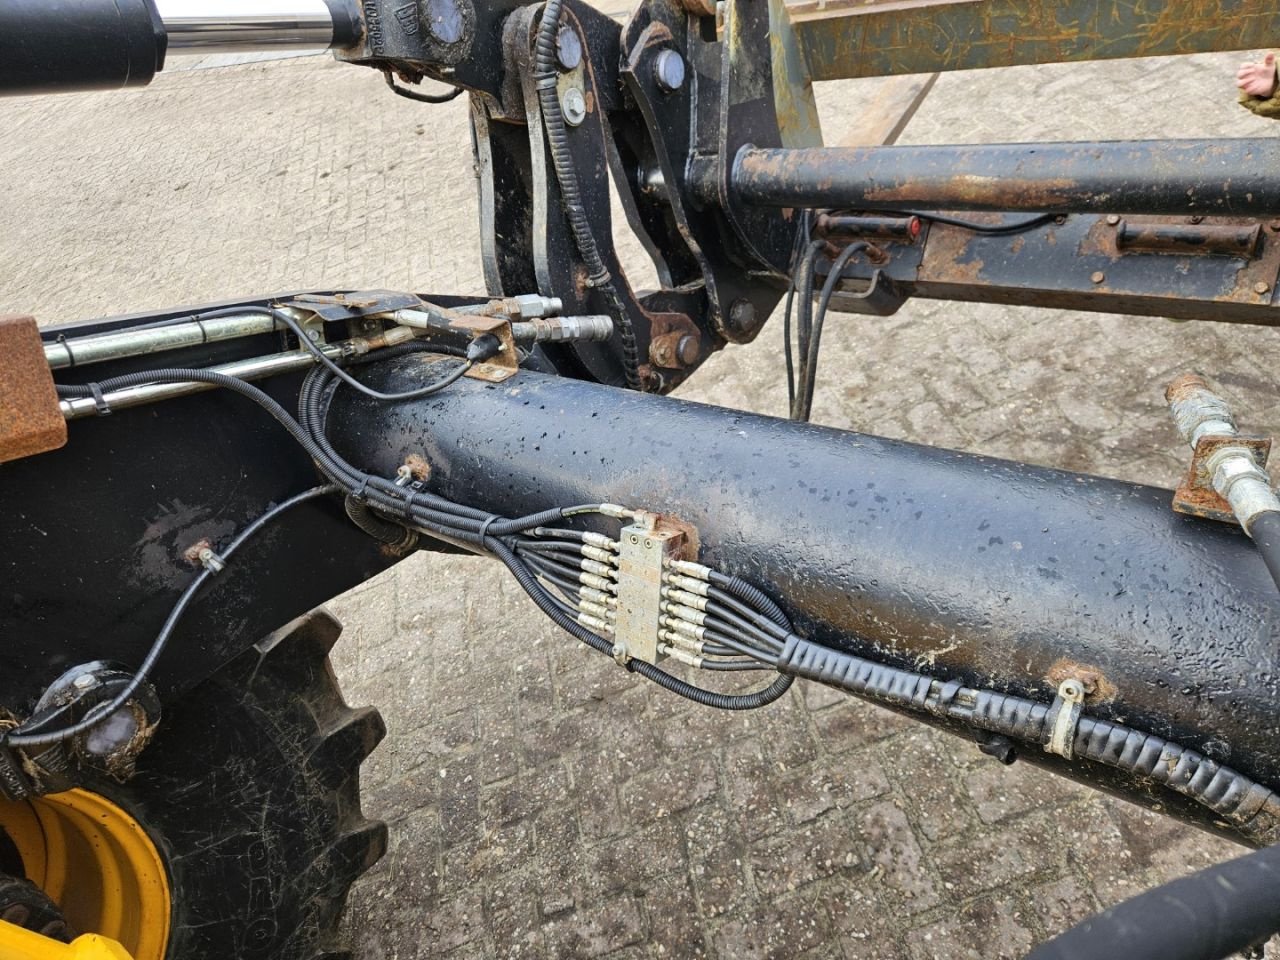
[[562, 329], [1224, 461]]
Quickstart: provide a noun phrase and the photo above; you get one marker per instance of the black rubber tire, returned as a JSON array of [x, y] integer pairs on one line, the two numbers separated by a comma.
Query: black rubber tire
[[250, 791]]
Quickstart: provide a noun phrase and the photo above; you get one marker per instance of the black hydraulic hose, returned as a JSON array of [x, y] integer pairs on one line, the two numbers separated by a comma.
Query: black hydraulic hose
[[545, 76], [1206, 916], [750, 593], [15, 737], [1265, 531]]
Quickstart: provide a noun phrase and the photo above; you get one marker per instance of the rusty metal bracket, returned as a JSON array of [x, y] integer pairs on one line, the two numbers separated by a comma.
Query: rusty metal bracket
[[505, 364], [31, 421], [1195, 496]]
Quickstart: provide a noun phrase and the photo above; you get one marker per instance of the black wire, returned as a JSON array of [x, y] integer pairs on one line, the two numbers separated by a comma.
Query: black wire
[[15, 737], [351, 381], [991, 229], [734, 665], [797, 247], [809, 372], [804, 320], [420, 97]]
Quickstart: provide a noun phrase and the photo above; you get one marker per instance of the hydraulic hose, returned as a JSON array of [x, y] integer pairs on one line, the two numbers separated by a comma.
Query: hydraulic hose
[[1208, 915], [1265, 531]]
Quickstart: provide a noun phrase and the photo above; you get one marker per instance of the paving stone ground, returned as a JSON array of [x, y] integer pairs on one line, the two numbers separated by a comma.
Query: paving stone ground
[[542, 803]]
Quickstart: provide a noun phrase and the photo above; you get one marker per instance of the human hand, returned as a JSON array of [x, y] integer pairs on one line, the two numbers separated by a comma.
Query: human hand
[[1258, 79]]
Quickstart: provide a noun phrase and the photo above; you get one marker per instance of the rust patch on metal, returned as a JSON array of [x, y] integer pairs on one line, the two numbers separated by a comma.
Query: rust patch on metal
[[977, 189], [1195, 495], [31, 421], [1097, 688], [700, 8], [674, 340], [666, 523], [945, 256], [192, 554], [419, 469]]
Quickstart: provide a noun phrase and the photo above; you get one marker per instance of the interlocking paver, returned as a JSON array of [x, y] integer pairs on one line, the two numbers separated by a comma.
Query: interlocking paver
[[543, 803]]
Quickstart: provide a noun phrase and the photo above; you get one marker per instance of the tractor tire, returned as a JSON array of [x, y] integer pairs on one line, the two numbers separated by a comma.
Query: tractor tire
[[249, 793]]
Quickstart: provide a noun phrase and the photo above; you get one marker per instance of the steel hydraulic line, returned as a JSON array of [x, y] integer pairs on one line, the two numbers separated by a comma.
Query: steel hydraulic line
[[1218, 177]]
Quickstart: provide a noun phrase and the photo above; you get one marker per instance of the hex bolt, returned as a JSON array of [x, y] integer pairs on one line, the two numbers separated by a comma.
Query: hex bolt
[[84, 681], [1260, 288], [1098, 276], [574, 105], [668, 70], [568, 48], [1113, 219]]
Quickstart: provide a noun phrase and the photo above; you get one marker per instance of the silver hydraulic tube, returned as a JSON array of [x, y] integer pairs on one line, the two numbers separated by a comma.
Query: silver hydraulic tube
[[82, 351], [246, 26], [254, 369]]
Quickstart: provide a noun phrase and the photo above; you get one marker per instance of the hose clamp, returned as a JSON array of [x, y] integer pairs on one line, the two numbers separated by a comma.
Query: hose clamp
[[1066, 710]]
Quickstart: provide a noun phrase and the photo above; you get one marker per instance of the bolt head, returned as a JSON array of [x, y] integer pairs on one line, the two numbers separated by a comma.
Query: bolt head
[[1098, 276], [687, 350], [742, 315], [568, 48], [84, 681], [668, 70], [444, 20], [574, 105], [1113, 218], [1260, 288]]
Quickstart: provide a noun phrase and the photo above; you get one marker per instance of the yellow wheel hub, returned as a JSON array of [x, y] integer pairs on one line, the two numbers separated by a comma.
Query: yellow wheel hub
[[97, 864]]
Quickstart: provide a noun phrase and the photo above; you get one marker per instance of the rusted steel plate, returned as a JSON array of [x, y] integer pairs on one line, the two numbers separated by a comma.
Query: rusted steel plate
[[855, 38], [30, 420]]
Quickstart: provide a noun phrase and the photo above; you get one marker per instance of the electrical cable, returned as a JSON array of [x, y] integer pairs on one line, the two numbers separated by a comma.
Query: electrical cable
[[16, 738], [804, 315], [803, 229], [809, 371], [420, 97], [990, 229]]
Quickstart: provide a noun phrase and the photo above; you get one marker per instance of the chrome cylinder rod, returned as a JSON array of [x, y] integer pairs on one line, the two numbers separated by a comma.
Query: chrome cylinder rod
[[82, 351], [246, 26]]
